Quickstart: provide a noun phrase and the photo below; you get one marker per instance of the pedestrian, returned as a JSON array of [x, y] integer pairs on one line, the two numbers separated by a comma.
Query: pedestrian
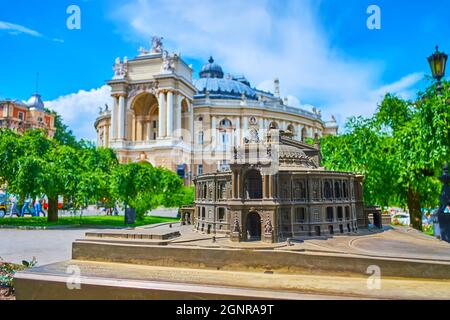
[[13, 209], [38, 208], [26, 207]]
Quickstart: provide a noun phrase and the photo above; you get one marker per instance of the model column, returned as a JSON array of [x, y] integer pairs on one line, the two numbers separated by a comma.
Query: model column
[[161, 115], [169, 118], [122, 118]]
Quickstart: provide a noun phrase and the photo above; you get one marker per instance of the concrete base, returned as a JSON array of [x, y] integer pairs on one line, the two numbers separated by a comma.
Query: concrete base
[[157, 264], [125, 281], [256, 260]]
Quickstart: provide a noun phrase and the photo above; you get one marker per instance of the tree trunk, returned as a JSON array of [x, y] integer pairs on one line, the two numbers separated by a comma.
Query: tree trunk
[[415, 214], [52, 209]]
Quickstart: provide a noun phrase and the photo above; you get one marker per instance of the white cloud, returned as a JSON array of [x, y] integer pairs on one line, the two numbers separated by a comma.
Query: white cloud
[[79, 110], [261, 41], [17, 29]]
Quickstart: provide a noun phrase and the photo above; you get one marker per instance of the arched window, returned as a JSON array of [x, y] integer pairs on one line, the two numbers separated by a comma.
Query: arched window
[[205, 191], [330, 214], [203, 213], [344, 190], [337, 190], [201, 137], [221, 214], [347, 213], [225, 123], [327, 190], [340, 214], [253, 185], [299, 190]]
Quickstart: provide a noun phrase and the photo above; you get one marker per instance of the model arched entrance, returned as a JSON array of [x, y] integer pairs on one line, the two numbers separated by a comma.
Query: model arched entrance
[[253, 185], [253, 224]]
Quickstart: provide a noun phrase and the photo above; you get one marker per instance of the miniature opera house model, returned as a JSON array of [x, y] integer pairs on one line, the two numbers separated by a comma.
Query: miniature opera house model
[[276, 190]]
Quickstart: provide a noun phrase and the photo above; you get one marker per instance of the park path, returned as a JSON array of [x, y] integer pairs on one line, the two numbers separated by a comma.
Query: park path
[[48, 246]]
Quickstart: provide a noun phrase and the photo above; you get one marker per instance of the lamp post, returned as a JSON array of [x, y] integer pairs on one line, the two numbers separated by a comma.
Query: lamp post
[[437, 63]]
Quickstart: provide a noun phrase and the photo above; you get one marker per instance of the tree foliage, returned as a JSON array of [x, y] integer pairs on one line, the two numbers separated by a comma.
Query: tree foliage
[[144, 187], [400, 150]]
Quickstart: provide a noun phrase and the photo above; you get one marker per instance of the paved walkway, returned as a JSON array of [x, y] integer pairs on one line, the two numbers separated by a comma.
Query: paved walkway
[[48, 246]]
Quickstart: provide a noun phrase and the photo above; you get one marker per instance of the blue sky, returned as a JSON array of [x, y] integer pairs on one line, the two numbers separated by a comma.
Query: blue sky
[[322, 51]]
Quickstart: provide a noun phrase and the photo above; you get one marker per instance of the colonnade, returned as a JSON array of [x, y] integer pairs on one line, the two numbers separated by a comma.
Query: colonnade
[[169, 117]]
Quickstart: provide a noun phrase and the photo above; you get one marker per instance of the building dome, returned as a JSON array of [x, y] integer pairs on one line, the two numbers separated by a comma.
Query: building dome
[[211, 70], [223, 89], [213, 83], [35, 101]]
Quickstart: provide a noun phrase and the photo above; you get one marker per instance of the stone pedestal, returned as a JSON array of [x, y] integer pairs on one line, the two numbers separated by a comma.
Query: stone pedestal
[[268, 237], [235, 237]]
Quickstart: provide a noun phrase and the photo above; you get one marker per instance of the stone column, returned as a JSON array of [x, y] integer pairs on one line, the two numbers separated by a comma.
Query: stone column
[[104, 135], [238, 131], [179, 116], [271, 186], [213, 132], [264, 186], [261, 124], [162, 115], [169, 132], [133, 128], [233, 185], [114, 119], [299, 132], [122, 118], [108, 128], [149, 130], [191, 122], [238, 185], [139, 128], [244, 126]]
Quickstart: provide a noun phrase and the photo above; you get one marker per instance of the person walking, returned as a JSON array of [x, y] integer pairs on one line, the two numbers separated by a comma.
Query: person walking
[[26, 206], [38, 208], [13, 209]]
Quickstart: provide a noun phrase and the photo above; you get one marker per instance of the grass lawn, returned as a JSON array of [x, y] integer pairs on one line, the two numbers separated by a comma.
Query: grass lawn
[[107, 221]]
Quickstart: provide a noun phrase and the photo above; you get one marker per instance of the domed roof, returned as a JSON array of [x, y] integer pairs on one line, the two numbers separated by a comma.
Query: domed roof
[[35, 101], [293, 156], [286, 151], [212, 80], [223, 88], [211, 70]]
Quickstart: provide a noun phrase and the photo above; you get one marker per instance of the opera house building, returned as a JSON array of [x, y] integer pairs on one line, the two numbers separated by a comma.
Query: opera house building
[[163, 115]]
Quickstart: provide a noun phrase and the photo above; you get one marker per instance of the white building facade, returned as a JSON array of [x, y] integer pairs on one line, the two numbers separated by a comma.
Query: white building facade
[[163, 116]]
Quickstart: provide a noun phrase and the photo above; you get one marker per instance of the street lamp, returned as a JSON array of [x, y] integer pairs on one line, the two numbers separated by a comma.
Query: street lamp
[[437, 63]]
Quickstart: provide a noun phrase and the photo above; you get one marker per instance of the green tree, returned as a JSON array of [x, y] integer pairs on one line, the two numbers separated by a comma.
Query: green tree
[[135, 184], [9, 153], [400, 150], [63, 134]]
